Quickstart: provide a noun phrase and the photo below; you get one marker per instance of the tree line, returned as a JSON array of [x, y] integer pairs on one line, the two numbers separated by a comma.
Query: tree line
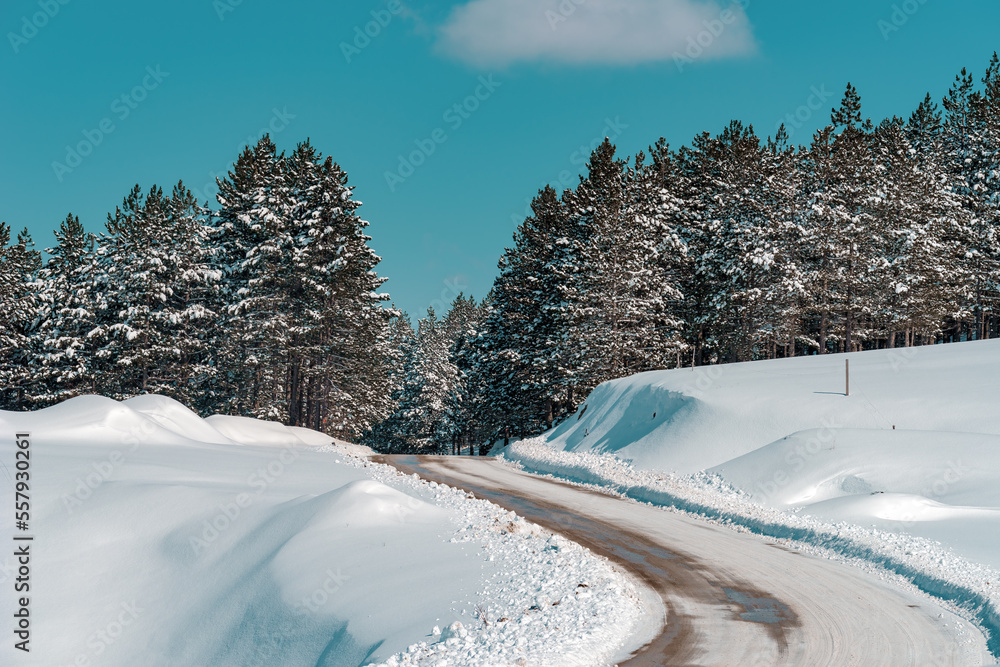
[[267, 307], [733, 248]]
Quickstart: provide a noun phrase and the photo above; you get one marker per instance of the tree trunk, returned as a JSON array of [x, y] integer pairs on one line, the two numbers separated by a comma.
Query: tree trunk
[[822, 333], [293, 395]]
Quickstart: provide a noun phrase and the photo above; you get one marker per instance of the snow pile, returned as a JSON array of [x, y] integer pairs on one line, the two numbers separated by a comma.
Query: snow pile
[[545, 601], [942, 486], [161, 538], [972, 589], [248, 431], [349, 449], [689, 420]]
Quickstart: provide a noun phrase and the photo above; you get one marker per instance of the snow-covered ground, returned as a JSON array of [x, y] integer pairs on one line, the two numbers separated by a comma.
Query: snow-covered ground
[[161, 538], [903, 474]]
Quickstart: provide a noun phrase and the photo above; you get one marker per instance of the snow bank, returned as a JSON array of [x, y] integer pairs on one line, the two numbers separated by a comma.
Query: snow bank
[[689, 420], [812, 467], [941, 486], [544, 600], [161, 538], [175, 417], [248, 431]]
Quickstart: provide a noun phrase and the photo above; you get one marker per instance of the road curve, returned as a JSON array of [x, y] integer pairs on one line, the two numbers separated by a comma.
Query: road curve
[[731, 598]]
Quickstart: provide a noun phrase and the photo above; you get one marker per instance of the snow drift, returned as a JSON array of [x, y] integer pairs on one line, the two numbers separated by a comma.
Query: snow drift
[[165, 539], [689, 420]]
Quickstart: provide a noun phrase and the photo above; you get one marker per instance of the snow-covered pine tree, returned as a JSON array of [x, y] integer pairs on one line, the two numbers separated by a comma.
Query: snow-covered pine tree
[[612, 282], [191, 312], [153, 272], [335, 355], [421, 421], [662, 218], [385, 434], [533, 304], [841, 229], [63, 352], [522, 351], [250, 377], [595, 276], [305, 257], [19, 263], [495, 369], [917, 286], [653, 252], [130, 284], [749, 259], [305, 325], [969, 158], [987, 105], [699, 182], [461, 327], [263, 218], [785, 235], [474, 425]]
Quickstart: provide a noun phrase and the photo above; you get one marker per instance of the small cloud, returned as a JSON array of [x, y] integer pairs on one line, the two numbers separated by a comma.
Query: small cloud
[[586, 32], [420, 26]]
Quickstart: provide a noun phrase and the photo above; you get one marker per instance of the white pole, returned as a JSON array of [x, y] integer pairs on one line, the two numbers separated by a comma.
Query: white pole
[[847, 377]]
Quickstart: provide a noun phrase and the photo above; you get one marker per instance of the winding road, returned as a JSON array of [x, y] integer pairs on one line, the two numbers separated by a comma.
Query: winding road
[[728, 598]]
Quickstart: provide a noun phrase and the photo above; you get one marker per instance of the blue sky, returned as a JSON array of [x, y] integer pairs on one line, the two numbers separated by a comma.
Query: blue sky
[[182, 86]]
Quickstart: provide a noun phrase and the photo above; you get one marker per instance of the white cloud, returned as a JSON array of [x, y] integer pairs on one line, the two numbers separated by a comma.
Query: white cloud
[[501, 32]]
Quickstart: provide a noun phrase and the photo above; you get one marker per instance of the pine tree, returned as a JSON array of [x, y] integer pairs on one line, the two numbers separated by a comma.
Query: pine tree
[[385, 434], [841, 228], [153, 271], [787, 296], [615, 271], [249, 376], [66, 315], [304, 315], [698, 182], [662, 220], [521, 358], [19, 264], [918, 288], [460, 328], [336, 356], [421, 421], [967, 151], [749, 259], [987, 106]]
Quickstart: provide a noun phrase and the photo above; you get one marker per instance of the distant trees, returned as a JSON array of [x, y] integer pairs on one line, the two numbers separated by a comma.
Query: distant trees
[[433, 398]]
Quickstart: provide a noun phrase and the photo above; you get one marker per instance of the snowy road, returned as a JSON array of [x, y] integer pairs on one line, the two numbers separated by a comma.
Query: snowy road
[[731, 599]]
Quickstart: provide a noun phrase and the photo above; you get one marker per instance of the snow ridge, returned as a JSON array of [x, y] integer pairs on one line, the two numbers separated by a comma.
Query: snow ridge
[[551, 603], [972, 590]]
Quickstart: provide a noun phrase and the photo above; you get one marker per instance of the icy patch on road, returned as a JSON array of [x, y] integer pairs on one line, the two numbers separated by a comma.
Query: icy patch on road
[[546, 600], [972, 590]]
